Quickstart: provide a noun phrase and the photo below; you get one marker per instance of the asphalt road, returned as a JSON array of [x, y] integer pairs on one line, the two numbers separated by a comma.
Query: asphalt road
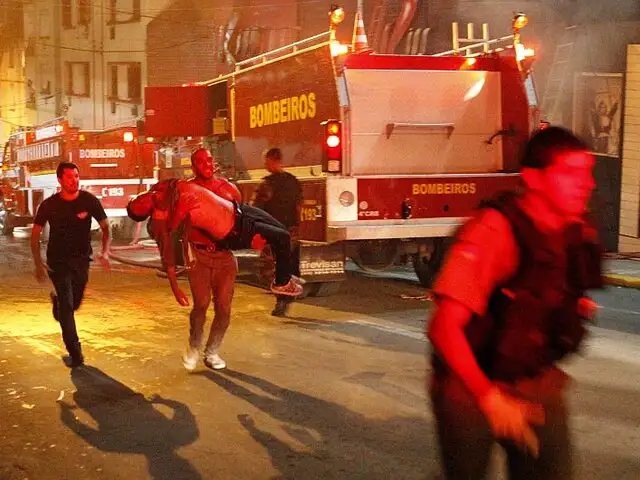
[[335, 391]]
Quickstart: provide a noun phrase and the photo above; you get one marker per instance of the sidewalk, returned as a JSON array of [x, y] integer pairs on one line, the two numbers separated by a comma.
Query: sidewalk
[[620, 270], [623, 271]]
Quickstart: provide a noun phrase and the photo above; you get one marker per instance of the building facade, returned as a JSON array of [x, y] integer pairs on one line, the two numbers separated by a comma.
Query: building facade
[[86, 60], [12, 69], [629, 239]]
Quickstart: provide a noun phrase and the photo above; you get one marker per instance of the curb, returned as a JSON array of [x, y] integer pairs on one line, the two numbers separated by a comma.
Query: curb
[[622, 280]]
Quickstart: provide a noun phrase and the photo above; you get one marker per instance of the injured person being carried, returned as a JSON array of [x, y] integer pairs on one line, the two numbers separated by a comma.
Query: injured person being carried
[[171, 204]]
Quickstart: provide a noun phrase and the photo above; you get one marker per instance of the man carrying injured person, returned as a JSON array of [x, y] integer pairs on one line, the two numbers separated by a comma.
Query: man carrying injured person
[[232, 225]]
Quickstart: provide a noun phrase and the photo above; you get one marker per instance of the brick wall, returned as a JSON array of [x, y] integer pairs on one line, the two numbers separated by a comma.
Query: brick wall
[[184, 47], [181, 43], [630, 191]]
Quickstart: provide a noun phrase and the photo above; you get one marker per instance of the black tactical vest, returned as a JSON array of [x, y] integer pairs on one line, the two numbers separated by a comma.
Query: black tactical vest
[[532, 319]]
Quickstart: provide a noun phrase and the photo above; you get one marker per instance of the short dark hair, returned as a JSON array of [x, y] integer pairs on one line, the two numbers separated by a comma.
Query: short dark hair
[[62, 166], [274, 153], [197, 151], [133, 216], [546, 143]]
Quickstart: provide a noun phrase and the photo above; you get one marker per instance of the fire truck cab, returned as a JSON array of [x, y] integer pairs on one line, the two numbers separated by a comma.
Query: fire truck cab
[[393, 151], [114, 165]]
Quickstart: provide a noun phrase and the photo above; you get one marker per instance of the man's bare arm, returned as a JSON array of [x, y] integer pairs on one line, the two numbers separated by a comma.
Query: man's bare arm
[[446, 333], [36, 231], [106, 236], [165, 238]]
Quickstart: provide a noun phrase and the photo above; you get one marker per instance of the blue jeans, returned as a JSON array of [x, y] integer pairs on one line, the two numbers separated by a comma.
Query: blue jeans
[[69, 280]]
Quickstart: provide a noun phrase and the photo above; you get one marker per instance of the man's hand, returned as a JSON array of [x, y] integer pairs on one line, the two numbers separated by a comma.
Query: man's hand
[[41, 272], [181, 297], [258, 242], [587, 309], [104, 260], [512, 419]]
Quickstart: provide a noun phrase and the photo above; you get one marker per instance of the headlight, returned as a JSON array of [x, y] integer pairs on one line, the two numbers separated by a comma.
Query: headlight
[[346, 198]]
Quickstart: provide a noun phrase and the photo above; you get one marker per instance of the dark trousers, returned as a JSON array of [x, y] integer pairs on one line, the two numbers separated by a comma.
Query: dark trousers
[[295, 265], [466, 441], [69, 281], [251, 221]]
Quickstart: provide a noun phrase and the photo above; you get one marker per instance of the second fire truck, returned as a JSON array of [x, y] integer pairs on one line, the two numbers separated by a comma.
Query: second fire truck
[[114, 165]]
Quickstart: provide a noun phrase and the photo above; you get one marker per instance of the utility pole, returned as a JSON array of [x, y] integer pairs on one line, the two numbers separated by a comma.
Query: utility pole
[[57, 62]]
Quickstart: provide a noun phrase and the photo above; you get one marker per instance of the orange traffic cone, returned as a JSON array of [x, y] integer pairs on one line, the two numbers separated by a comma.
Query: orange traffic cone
[[359, 42]]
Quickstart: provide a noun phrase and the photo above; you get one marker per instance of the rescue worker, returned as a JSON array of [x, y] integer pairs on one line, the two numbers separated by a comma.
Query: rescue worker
[[510, 303], [213, 272], [280, 195], [239, 226], [69, 215]]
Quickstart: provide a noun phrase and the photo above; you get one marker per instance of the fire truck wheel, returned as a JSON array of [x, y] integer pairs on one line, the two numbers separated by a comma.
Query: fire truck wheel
[[324, 289], [375, 255], [5, 225], [426, 264]]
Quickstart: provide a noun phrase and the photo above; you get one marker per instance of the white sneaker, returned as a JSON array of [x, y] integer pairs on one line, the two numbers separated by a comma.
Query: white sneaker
[[190, 358], [214, 361]]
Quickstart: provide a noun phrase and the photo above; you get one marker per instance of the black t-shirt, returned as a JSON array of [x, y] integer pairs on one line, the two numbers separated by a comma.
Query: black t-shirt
[[69, 225], [279, 195]]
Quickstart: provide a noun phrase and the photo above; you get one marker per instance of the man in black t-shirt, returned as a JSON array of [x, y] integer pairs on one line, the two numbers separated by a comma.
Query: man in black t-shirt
[[280, 195], [69, 215]]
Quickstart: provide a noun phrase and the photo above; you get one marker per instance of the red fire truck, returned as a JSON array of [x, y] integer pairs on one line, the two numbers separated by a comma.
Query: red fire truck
[[114, 165], [393, 151]]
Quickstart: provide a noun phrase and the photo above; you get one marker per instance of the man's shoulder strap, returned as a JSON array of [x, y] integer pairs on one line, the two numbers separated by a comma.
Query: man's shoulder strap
[[526, 235]]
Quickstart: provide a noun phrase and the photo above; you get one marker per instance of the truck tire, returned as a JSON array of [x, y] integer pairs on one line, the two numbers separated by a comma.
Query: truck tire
[[427, 264], [375, 255], [324, 289], [5, 225]]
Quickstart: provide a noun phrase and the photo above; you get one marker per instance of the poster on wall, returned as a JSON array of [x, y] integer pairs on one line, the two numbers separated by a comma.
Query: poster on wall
[[597, 106]]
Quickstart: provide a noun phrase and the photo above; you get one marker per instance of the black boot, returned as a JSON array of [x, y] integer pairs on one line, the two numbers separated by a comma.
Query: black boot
[[281, 309], [75, 357]]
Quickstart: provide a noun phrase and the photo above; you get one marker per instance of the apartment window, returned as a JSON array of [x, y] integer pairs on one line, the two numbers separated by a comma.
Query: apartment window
[[78, 79], [113, 72], [124, 11], [67, 21], [125, 82], [84, 12], [134, 81]]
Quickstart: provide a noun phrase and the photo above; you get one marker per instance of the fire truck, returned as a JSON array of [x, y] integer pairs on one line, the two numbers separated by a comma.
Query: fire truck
[[114, 165], [393, 151]]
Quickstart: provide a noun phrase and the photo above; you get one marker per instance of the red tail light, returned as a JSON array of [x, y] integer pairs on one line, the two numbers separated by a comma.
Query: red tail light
[[332, 157]]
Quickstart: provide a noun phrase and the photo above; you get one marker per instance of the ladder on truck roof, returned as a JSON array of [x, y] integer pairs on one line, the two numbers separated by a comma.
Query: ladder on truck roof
[[279, 53], [558, 77], [470, 46]]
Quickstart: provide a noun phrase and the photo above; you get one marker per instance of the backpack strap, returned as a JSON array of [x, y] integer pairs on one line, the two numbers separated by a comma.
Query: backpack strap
[[536, 249]]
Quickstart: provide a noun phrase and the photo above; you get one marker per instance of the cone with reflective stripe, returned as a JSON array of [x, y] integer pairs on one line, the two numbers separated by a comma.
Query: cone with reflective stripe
[[359, 42]]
